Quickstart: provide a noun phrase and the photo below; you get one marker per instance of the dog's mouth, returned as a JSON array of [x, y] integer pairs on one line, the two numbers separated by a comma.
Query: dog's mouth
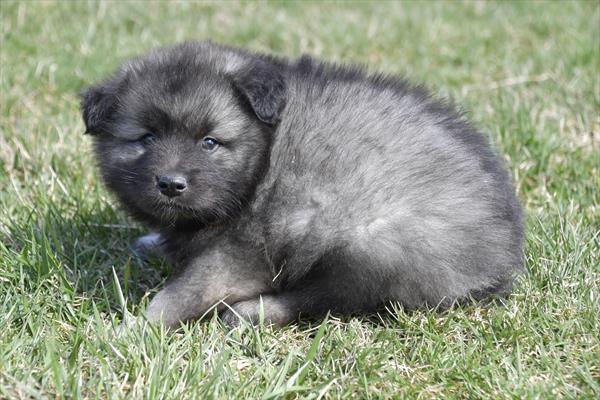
[[175, 215], [174, 205]]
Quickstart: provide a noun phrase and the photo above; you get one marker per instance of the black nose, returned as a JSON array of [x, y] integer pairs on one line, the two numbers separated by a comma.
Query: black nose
[[171, 185]]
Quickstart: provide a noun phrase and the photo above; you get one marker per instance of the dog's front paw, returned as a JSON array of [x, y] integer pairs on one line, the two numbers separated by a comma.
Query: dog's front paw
[[149, 246], [274, 310], [244, 311]]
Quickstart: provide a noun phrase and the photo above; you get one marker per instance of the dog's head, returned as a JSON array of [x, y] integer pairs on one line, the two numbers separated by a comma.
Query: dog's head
[[182, 135]]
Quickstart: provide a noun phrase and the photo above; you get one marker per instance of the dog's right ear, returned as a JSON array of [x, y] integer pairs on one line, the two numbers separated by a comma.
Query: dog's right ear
[[98, 104], [264, 88]]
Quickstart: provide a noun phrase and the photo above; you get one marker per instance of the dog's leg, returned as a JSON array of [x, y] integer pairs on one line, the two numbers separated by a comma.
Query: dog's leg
[[338, 283], [221, 275]]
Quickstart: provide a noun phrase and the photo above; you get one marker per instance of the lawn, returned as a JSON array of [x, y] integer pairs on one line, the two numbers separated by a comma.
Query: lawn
[[528, 75]]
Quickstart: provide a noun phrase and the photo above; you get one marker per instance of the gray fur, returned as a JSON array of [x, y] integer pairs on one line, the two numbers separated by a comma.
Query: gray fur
[[334, 190]]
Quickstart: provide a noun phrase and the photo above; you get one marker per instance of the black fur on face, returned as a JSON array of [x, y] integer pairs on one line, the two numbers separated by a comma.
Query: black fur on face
[[183, 140]]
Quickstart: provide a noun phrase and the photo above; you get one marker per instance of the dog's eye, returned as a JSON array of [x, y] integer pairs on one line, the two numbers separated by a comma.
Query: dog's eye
[[209, 143], [147, 139]]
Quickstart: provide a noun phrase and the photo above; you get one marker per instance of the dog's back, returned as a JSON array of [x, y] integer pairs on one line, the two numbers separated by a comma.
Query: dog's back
[[375, 175]]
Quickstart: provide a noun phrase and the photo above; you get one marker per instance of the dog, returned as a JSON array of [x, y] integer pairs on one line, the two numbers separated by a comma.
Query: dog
[[282, 188]]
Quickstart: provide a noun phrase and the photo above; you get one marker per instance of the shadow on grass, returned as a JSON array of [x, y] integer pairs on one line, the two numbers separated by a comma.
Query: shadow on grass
[[79, 248], [82, 246]]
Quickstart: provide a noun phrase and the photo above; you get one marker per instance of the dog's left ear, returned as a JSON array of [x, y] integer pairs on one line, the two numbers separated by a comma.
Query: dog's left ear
[[263, 86], [97, 106]]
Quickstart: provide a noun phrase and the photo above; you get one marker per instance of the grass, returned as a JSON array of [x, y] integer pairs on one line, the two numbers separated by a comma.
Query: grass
[[528, 72]]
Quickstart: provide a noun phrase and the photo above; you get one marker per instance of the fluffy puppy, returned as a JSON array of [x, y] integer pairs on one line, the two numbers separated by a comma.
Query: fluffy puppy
[[301, 187]]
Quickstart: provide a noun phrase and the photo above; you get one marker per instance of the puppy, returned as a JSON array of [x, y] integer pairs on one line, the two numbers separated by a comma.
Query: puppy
[[301, 187]]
